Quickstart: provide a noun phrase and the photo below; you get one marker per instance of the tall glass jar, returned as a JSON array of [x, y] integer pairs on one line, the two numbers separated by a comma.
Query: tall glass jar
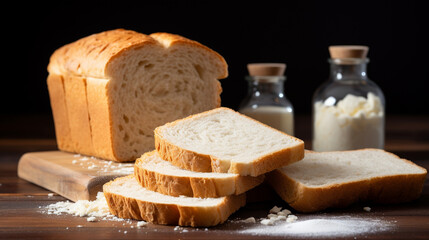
[[348, 109], [266, 100]]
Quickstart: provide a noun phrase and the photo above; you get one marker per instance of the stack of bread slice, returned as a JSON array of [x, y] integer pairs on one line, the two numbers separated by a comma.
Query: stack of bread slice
[[201, 169], [204, 165]]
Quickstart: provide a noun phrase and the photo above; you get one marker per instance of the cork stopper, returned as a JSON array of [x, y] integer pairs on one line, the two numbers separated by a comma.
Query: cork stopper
[[266, 69], [348, 51]]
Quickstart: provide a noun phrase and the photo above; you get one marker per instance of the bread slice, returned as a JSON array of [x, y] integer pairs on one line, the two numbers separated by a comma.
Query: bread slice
[[127, 199], [109, 90], [338, 179], [223, 140], [156, 174]]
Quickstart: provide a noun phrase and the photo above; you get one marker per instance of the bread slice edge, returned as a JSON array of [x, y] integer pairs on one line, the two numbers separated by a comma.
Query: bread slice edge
[[171, 214], [389, 189], [193, 186]]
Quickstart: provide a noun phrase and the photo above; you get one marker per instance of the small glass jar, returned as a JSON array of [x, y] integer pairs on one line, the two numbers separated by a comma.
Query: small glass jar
[[266, 100], [349, 109]]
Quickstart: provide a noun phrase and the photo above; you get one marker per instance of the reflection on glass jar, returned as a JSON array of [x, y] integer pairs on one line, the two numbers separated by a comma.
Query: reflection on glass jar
[[266, 100]]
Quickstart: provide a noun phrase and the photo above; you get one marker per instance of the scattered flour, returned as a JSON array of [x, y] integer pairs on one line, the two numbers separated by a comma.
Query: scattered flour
[[335, 226], [82, 208], [103, 166], [141, 224], [281, 222]]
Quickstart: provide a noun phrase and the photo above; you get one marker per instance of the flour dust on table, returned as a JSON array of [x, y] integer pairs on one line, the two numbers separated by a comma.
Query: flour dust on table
[[325, 226]]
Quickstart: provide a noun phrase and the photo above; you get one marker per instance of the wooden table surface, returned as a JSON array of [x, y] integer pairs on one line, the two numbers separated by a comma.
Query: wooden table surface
[[22, 204]]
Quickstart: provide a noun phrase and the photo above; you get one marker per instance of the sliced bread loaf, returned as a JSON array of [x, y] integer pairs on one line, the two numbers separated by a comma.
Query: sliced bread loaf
[[109, 90], [338, 179], [223, 140], [127, 199], [158, 175]]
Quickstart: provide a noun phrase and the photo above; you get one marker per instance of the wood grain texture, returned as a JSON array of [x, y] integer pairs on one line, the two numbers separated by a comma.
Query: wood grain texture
[[22, 203], [75, 177]]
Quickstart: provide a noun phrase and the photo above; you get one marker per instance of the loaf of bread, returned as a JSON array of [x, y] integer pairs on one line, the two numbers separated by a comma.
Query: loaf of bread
[[156, 174], [127, 199], [225, 141], [110, 90], [338, 179]]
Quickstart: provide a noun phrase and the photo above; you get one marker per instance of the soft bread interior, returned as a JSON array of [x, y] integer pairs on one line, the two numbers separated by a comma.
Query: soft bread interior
[[328, 168], [155, 84], [227, 135]]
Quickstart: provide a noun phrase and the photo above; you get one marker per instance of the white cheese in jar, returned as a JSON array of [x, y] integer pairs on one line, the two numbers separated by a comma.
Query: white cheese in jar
[[355, 122]]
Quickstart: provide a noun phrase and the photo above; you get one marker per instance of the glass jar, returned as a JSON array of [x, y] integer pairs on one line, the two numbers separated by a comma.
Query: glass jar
[[266, 100], [349, 109]]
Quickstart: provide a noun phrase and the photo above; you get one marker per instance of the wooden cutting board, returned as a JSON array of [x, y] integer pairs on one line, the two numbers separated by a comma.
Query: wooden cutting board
[[73, 176]]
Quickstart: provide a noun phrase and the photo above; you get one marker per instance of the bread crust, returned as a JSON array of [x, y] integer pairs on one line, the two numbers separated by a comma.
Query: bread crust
[[199, 162], [172, 214], [91, 55], [388, 189], [78, 114], [168, 39], [101, 119], [60, 113], [192, 186]]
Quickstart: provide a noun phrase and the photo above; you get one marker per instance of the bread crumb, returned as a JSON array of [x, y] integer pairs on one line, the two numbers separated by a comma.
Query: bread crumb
[[125, 232], [367, 209], [74, 161], [91, 219], [79, 226], [275, 209], [249, 220], [176, 228], [267, 222], [291, 218], [50, 194], [141, 224], [285, 212]]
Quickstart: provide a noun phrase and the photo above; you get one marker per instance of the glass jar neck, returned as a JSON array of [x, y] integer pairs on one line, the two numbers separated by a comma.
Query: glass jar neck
[[266, 85], [348, 69]]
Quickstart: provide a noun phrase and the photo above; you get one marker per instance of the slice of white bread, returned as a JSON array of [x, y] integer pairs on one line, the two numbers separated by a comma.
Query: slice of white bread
[[338, 179], [156, 174], [223, 140], [109, 90], [127, 199]]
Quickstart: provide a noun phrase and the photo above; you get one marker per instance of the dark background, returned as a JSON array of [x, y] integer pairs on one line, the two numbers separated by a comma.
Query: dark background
[[297, 33]]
